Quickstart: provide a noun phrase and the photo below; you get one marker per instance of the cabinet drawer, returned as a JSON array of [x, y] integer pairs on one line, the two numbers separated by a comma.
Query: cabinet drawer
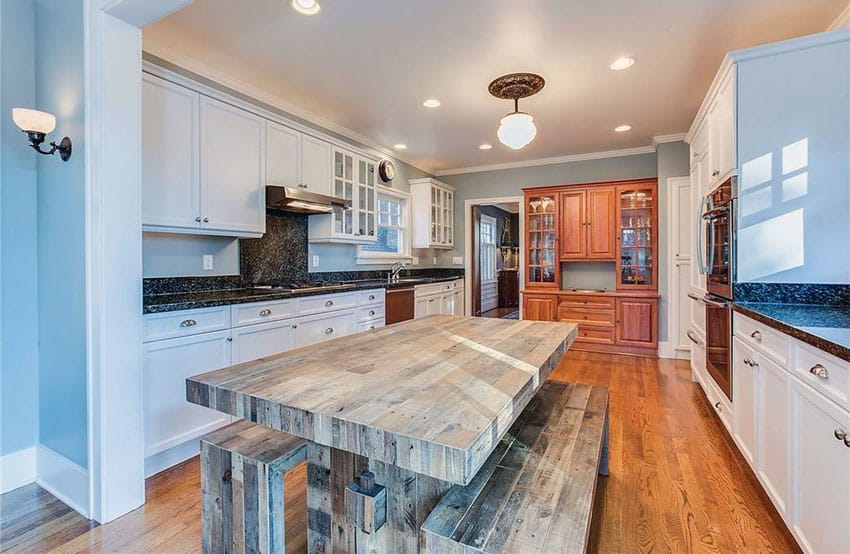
[[261, 312], [594, 334], [375, 296], [427, 290], [369, 313], [370, 325], [186, 322], [326, 303], [321, 328], [595, 317], [762, 338], [824, 373], [588, 302]]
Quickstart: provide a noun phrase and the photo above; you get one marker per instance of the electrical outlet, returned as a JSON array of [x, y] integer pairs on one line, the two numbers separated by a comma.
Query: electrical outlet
[[208, 262], [457, 260], [316, 261], [415, 260], [435, 260]]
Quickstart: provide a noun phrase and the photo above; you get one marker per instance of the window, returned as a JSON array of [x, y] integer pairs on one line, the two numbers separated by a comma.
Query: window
[[393, 242], [488, 248]]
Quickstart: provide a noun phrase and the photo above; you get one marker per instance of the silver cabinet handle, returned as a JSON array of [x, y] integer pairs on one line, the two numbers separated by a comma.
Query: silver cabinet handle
[[717, 406], [371, 327], [715, 173], [302, 185], [431, 299], [371, 312], [206, 220], [265, 312], [329, 303], [295, 326], [756, 335], [198, 219], [819, 371], [691, 295], [693, 337], [840, 434], [229, 339], [329, 330], [371, 297], [750, 363], [188, 323]]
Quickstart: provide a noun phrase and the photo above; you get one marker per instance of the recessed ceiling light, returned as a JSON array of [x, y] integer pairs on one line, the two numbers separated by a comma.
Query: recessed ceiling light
[[431, 103], [623, 128], [400, 146], [306, 7], [622, 63], [485, 146]]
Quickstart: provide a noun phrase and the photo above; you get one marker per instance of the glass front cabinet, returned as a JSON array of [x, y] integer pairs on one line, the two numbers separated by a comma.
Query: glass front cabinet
[[542, 258], [433, 207], [353, 180], [637, 236]]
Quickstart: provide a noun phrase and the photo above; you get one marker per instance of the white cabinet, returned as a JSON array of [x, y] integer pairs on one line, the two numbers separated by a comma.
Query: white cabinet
[[170, 182], [310, 330], [170, 419], [445, 298], [283, 155], [745, 380], [261, 340], [316, 165], [460, 297], [713, 134], [820, 509], [432, 204], [232, 169], [774, 469], [353, 180]]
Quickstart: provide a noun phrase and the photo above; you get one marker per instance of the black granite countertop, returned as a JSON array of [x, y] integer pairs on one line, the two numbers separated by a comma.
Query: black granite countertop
[[823, 326], [172, 302]]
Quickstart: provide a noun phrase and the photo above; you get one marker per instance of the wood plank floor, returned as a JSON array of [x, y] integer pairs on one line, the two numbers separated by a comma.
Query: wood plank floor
[[677, 483]]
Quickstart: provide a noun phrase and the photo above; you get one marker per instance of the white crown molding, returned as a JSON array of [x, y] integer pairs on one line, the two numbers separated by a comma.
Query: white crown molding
[[548, 161], [198, 68], [843, 19], [662, 139]]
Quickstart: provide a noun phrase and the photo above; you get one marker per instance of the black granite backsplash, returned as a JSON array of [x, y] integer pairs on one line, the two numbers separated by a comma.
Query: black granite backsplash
[[793, 293], [170, 285], [280, 255]]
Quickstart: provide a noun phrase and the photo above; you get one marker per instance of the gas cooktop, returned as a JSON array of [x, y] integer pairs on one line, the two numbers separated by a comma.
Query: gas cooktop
[[304, 286]]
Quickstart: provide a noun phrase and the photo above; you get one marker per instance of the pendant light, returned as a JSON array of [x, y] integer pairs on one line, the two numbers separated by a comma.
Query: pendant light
[[516, 129]]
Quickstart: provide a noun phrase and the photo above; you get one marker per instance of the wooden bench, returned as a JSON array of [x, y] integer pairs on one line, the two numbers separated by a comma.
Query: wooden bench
[[242, 468], [535, 493]]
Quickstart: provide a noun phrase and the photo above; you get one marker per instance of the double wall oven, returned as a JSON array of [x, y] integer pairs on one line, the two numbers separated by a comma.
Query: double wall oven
[[716, 259]]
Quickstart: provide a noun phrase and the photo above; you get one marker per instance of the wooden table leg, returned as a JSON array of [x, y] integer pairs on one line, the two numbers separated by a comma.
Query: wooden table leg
[[603, 459], [410, 498]]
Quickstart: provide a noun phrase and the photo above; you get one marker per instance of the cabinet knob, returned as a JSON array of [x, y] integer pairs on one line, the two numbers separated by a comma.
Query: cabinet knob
[[295, 326], [329, 330], [206, 220], [756, 335], [188, 323], [717, 406], [302, 185], [229, 339], [371, 297], [198, 219], [819, 371], [329, 303], [715, 173], [840, 434], [371, 312], [371, 327], [265, 312]]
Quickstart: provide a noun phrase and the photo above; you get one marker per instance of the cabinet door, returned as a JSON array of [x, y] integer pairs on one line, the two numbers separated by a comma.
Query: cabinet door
[[820, 473], [447, 303], [458, 302], [539, 308], [366, 200], [170, 185], [261, 340], [745, 379], [601, 235], [773, 449], [283, 155], [321, 328], [728, 131], [169, 418], [715, 133], [637, 322], [573, 225], [637, 241], [316, 165], [232, 169], [420, 307], [344, 187]]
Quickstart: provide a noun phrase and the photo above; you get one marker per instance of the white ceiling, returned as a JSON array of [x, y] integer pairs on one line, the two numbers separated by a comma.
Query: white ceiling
[[367, 65]]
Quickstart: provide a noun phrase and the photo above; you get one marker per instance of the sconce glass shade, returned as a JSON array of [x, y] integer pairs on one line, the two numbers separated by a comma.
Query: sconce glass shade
[[517, 129], [33, 120]]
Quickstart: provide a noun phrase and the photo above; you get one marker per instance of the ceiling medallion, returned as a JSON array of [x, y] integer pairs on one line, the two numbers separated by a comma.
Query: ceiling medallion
[[517, 128]]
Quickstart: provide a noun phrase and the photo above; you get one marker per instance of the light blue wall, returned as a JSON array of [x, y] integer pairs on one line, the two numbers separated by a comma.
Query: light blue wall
[[59, 83], [181, 255], [18, 247]]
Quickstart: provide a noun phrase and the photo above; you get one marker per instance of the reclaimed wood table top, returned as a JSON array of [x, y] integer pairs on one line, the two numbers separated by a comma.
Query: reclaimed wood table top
[[432, 395]]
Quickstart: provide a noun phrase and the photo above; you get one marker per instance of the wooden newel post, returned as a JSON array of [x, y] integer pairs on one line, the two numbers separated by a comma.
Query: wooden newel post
[[366, 503]]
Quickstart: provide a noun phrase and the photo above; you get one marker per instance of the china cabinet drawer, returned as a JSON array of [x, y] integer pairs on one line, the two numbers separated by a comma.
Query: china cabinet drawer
[[261, 312], [367, 297], [326, 303], [599, 335], [595, 317], [369, 313], [184, 323], [762, 338], [824, 373], [586, 302]]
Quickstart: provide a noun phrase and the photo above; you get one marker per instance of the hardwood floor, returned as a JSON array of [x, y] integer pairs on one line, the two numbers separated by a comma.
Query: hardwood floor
[[676, 483], [500, 312]]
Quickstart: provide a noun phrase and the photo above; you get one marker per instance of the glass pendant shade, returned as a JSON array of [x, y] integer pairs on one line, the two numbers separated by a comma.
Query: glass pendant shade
[[516, 130], [33, 120]]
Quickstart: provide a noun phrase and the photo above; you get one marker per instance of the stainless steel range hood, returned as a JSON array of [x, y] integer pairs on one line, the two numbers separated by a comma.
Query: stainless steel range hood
[[298, 200]]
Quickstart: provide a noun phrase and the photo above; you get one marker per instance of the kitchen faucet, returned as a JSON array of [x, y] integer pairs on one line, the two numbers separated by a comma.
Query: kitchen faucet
[[394, 272]]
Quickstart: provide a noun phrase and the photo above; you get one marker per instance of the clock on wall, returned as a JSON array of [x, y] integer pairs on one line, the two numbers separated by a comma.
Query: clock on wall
[[386, 170]]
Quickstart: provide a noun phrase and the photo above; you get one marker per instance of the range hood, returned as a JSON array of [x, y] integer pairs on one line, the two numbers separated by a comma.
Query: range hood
[[299, 200]]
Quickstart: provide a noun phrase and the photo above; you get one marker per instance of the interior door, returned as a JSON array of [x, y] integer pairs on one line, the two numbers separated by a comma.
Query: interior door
[[601, 204], [476, 261], [573, 225]]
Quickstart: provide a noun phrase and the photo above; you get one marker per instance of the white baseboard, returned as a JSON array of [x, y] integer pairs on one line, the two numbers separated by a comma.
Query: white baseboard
[[171, 457], [666, 350], [63, 479], [17, 469]]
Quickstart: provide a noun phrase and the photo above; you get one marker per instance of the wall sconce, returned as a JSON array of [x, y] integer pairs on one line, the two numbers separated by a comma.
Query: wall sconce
[[36, 125]]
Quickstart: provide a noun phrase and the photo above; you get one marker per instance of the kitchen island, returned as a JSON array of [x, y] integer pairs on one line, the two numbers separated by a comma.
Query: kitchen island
[[421, 404]]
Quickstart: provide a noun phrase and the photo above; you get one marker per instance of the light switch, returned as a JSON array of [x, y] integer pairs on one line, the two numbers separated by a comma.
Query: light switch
[[208, 262], [415, 260], [435, 260]]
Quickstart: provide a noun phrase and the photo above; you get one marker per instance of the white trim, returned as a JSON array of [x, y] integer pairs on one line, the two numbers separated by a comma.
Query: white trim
[[171, 456], [63, 479], [467, 244], [843, 19], [667, 350], [549, 161], [17, 469], [661, 139], [192, 65]]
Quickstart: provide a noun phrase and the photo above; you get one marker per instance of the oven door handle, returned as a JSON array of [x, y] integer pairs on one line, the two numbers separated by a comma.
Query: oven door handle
[[693, 338], [693, 296], [715, 303], [701, 251]]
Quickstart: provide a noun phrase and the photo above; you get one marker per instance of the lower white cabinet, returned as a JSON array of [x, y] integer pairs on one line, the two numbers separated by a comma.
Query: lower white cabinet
[[745, 379], [310, 330], [170, 419], [261, 340], [460, 299], [773, 464], [445, 298]]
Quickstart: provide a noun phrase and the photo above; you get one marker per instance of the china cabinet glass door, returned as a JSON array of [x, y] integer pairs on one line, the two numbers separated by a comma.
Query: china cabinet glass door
[[344, 188], [366, 199], [354, 180], [637, 236], [542, 243]]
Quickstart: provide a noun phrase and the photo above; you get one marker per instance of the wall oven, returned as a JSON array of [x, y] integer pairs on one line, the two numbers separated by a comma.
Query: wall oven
[[717, 261]]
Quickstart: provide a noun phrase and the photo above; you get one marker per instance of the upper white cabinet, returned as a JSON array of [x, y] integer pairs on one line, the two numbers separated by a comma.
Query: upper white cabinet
[[232, 169], [316, 165], [297, 160], [433, 213], [713, 134]]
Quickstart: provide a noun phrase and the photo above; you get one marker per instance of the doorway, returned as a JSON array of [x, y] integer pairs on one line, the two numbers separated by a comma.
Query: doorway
[[494, 231]]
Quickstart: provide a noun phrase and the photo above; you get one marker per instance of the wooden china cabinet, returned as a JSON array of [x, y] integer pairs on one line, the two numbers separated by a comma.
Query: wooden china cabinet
[[614, 222]]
